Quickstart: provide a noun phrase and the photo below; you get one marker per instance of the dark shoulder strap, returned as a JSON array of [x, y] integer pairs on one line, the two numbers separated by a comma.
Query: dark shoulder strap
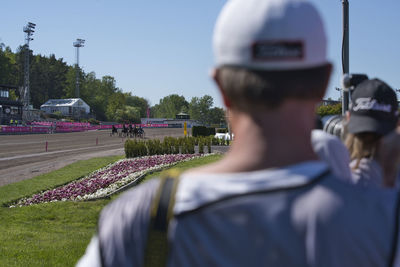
[[156, 250], [395, 240]]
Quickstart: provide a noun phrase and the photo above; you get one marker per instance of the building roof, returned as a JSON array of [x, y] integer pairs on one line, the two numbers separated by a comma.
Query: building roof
[[63, 102]]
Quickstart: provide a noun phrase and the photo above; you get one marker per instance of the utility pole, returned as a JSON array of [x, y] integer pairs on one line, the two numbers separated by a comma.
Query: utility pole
[[29, 30], [345, 54], [78, 43]]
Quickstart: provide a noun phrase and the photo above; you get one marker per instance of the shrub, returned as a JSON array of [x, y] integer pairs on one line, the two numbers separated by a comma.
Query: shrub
[[134, 148], [166, 148], [209, 143], [215, 141], [176, 146], [211, 131], [130, 149], [127, 149], [201, 145], [191, 145], [170, 145], [151, 147], [142, 148], [182, 144], [329, 110], [202, 131], [93, 121], [188, 144], [199, 130], [222, 130], [158, 147]]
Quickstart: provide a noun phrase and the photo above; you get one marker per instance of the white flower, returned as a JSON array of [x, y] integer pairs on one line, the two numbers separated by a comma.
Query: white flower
[[124, 177]]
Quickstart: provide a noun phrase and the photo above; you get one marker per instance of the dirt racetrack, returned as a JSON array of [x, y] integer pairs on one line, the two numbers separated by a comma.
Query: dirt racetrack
[[24, 156]]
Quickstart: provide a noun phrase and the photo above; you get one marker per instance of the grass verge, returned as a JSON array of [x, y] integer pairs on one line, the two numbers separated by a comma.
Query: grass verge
[[54, 234]]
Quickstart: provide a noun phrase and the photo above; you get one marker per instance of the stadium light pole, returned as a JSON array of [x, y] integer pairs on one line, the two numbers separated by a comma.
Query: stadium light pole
[[398, 101], [78, 43], [345, 54], [29, 29]]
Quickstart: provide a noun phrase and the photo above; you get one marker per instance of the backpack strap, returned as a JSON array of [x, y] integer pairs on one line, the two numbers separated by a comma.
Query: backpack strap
[[394, 258], [156, 251]]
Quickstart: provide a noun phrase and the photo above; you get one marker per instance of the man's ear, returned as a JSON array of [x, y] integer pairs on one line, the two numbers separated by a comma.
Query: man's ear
[[215, 76]]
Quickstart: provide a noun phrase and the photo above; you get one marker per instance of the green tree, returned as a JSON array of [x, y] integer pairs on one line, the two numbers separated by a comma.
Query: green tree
[[199, 108], [127, 114], [70, 83], [116, 101], [7, 66], [216, 116], [47, 79], [18, 69], [169, 106], [97, 93], [51, 77], [138, 102], [88, 92]]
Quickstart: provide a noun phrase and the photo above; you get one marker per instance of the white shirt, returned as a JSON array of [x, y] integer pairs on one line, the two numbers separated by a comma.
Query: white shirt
[[331, 149], [289, 216]]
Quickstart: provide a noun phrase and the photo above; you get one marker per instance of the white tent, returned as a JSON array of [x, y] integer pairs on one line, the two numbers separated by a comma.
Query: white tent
[[68, 107]]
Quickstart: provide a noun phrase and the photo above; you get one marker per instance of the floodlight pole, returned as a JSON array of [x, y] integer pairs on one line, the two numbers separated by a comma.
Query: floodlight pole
[[78, 43], [29, 30], [345, 54]]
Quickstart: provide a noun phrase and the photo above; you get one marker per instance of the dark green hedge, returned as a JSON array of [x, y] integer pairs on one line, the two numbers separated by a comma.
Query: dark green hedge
[[170, 145], [202, 131]]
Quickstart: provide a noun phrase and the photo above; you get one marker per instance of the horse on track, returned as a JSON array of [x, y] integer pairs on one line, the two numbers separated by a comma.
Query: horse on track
[[114, 130]]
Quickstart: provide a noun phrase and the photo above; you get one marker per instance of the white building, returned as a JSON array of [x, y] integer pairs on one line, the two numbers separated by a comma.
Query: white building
[[73, 107]]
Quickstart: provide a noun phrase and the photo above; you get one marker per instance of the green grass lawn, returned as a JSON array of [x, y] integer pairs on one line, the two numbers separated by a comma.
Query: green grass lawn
[[54, 234]]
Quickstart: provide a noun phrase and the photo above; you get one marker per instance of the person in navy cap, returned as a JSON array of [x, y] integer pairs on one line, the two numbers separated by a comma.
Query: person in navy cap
[[373, 114]]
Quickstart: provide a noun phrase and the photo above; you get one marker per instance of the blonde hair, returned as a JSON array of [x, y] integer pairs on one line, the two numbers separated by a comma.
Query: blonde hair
[[362, 145]]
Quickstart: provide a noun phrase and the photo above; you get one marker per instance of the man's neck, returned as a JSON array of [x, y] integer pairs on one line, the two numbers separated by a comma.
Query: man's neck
[[272, 139]]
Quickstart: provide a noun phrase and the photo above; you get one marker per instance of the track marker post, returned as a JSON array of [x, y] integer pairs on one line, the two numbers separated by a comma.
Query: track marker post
[[97, 141], [47, 143]]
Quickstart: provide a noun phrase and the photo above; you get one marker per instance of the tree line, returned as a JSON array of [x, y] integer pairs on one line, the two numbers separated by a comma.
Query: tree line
[[53, 78]]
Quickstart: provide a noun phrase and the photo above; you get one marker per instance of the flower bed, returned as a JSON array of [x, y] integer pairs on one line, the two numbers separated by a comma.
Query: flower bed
[[108, 180]]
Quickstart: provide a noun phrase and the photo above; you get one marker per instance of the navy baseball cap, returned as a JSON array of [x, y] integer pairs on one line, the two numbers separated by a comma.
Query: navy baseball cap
[[374, 108]]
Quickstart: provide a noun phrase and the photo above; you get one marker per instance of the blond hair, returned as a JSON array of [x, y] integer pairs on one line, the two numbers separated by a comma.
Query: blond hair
[[362, 145]]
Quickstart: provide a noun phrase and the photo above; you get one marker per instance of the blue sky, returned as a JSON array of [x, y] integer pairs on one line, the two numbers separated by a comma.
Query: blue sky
[[155, 48]]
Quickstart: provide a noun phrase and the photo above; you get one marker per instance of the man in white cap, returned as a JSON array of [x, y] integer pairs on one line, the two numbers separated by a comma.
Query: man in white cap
[[269, 201]]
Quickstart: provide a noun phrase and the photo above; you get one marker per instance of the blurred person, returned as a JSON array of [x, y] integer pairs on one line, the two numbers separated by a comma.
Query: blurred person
[[140, 131], [269, 201], [113, 130], [373, 114], [135, 131], [332, 150]]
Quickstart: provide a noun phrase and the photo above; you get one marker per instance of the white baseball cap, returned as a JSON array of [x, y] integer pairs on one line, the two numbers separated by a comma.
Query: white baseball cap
[[269, 35]]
